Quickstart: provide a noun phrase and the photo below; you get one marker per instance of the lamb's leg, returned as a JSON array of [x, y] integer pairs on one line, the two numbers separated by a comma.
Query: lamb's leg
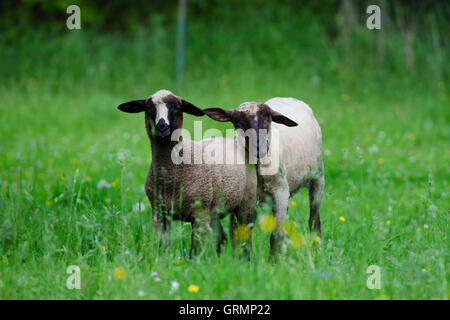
[[165, 231], [315, 198], [281, 199], [220, 234], [246, 215], [200, 229], [161, 225], [233, 226], [193, 240], [244, 233]]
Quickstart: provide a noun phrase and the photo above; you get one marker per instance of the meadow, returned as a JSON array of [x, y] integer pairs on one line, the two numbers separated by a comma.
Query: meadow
[[72, 167]]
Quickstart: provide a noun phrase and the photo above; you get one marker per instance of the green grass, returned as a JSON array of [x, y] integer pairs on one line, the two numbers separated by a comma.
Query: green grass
[[385, 139]]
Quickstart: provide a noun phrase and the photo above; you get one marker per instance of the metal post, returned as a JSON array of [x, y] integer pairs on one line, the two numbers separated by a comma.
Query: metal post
[[181, 31]]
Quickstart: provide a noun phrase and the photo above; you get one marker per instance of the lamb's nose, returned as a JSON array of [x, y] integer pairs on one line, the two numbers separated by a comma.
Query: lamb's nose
[[162, 125]]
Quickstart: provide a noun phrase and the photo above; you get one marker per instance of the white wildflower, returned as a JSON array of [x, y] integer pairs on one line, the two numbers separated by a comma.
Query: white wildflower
[[123, 156], [103, 184], [373, 149], [174, 286]]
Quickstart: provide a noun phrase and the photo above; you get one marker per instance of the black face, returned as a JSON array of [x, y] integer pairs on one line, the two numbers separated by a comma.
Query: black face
[[167, 116], [256, 127]]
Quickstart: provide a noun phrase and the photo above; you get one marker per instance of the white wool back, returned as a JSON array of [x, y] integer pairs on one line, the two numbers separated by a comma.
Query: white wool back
[[300, 147]]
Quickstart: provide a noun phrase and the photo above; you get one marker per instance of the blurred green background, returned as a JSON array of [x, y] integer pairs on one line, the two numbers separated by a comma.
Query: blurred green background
[[72, 167]]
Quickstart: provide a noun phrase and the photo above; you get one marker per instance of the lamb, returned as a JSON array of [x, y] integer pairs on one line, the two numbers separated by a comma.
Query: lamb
[[289, 138], [197, 193]]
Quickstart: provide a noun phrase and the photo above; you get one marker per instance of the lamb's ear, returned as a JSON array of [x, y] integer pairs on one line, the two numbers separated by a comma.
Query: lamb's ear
[[218, 114], [191, 109], [133, 106], [279, 118]]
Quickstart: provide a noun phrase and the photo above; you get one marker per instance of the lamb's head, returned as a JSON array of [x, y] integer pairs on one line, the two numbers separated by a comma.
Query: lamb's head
[[163, 112], [252, 121]]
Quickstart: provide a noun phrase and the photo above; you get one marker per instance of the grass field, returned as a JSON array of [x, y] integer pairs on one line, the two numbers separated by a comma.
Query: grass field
[[72, 169]]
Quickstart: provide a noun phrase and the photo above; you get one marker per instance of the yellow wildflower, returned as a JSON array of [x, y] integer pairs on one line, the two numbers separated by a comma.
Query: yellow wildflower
[[267, 223], [223, 79], [289, 228], [293, 203], [193, 288], [242, 233], [115, 183], [382, 297], [316, 239], [424, 270], [105, 248], [388, 222], [297, 241], [119, 273], [48, 203], [341, 218]]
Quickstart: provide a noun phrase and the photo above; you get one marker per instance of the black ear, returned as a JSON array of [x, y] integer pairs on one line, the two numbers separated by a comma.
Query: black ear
[[279, 118], [133, 106], [218, 114], [191, 109]]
